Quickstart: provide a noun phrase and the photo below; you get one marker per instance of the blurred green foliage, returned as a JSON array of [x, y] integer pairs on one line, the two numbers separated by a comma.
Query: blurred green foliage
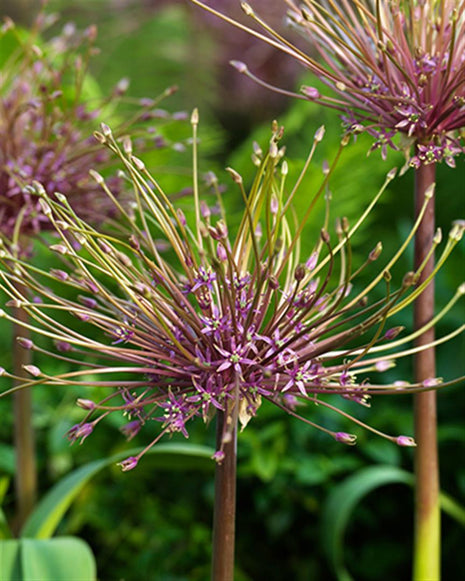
[[148, 524]]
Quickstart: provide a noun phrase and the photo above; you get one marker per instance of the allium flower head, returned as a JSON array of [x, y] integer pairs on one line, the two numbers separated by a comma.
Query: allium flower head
[[48, 111], [396, 67], [218, 317]]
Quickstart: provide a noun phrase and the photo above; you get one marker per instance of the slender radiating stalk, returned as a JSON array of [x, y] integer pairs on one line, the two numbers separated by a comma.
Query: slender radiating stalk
[[224, 516], [427, 553]]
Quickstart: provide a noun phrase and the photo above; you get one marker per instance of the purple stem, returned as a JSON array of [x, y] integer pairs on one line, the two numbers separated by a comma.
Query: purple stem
[[224, 516]]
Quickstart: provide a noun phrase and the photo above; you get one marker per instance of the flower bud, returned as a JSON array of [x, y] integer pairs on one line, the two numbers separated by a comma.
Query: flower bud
[[299, 272], [345, 438], [218, 456], [375, 253], [392, 333], [432, 382], [221, 252], [319, 134], [237, 178], [128, 464], [85, 404], [25, 342], [239, 66], [33, 370], [311, 93], [405, 441]]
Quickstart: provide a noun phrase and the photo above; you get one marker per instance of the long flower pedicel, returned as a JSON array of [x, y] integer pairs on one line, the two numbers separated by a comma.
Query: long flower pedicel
[[221, 319]]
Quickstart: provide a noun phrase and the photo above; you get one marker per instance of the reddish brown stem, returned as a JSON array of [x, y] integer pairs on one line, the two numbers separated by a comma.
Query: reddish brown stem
[[26, 472], [427, 513], [224, 517]]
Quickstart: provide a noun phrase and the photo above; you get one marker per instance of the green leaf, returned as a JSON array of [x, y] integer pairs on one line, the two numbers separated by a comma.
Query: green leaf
[[344, 497], [59, 559], [341, 503], [43, 522], [5, 532]]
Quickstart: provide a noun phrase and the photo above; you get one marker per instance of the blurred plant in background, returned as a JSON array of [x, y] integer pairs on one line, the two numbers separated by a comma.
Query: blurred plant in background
[[48, 109]]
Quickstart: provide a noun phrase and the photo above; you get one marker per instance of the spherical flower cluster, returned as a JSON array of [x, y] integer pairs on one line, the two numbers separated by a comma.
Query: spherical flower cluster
[[48, 110], [218, 318], [396, 68]]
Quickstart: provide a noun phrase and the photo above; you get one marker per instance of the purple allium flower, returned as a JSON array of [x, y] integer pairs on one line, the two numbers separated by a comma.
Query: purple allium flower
[[48, 114], [214, 334], [394, 67]]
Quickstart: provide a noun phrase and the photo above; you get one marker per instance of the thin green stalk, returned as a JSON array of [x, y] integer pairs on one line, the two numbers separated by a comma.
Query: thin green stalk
[[224, 517], [25, 469], [427, 543]]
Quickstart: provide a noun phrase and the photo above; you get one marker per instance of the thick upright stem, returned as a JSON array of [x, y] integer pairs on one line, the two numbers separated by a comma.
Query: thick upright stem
[[224, 517], [26, 472], [427, 549]]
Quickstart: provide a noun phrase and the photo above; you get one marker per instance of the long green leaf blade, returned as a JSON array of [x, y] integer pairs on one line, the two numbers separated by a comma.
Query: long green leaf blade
[[44, 520]]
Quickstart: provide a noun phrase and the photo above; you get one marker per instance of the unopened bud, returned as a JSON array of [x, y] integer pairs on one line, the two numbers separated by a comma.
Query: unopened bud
[[221, 252], [319, 134], [274, 151], [33, 370], [218, 456], [239, 66], [25, 342], [383, 365], [406, 441], [274, 205], [60, 248], [99, 137], [409, 279], [204, 209], [430, 191], [392, 173], [122, 86], [60, 274], [299, 272], [310, 92], [345, 438], [195, 117], [96, 176], [140, 165], [393, 333], [432, 382], [127, 145], [105, 129], [457, 230], [88, 302], [85, 404], [345, 140], [438, 236], [123, 258], [181, 217], [325, 236], [273, 281], [45, 207], [375, 253], [237, 178], [247, 8]]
